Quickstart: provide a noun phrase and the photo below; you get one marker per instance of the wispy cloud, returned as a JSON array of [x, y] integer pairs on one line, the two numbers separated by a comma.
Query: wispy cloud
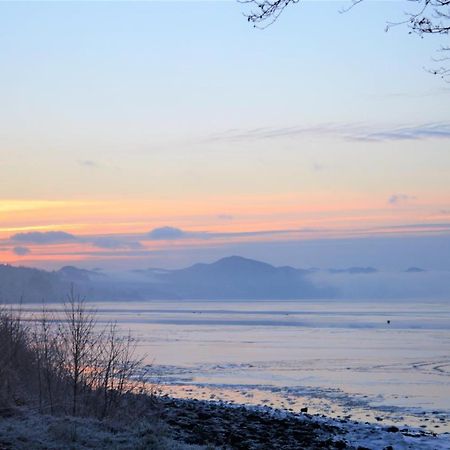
[[61, 237], [418, 226], [317, 167], [225, 217], [21, 251], [167, 234], [439, 130], [43, 237], [352, 132], [171, 234], [274, 133], [88, 163], [398, 199], [116, 243]]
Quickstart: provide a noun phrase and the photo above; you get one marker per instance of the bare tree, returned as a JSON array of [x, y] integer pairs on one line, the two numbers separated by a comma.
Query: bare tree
[[100, 361], [121, 372], [70, 353], [266, 12], [51, 368], [78, 337], [14, 357], [429, 17]]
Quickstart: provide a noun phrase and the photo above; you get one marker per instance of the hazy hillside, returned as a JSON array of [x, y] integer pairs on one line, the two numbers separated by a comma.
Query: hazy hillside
[[235, 277], [29, 285], [23, 284], [229, 278]]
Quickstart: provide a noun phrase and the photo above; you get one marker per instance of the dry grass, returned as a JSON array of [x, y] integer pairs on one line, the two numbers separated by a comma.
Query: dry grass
[[29, 430]]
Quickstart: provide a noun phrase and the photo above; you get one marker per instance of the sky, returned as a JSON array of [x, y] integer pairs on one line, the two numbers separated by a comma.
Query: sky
[[160, 134]]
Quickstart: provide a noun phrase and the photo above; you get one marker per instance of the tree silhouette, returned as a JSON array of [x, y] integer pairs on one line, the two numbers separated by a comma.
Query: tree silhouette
[[429, 17]]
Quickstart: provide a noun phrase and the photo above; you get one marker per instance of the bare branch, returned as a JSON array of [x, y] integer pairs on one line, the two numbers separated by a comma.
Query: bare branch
[[431, 17]]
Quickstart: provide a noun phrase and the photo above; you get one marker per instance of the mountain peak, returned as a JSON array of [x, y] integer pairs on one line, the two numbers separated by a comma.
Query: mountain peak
[[236, 261], [414, 270], [77, 274]]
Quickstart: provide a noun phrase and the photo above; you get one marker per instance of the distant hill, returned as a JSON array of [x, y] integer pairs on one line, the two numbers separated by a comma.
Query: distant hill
[[74, 274], [235, 277], [414, 270], [29, 285], [230, 278]]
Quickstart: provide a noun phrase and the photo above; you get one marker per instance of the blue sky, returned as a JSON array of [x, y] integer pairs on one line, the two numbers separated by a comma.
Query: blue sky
[[121, 117]]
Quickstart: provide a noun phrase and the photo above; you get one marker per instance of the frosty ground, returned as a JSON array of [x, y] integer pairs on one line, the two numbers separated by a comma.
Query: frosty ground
[[195, 425]]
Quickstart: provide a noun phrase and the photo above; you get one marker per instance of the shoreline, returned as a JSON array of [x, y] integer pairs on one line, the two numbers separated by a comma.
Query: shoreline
[[170, 423], [288, 430], [318, 402]]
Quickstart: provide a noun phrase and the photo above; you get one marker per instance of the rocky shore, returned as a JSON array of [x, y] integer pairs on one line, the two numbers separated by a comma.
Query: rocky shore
[[226, 426], [178, 424]]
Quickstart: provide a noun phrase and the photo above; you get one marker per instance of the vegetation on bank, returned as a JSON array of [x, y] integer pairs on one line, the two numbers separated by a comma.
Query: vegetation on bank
[[67, 364], [27, 429], [68, 382]]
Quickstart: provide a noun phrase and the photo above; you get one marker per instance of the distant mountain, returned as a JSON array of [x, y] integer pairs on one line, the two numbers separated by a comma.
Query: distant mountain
[[355, 270], [235, 277], [231, 278], [74, 274], [29, 285], [414, 270]]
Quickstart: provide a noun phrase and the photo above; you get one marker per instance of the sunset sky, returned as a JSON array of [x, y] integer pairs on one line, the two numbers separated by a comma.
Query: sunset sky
[[166, 133]]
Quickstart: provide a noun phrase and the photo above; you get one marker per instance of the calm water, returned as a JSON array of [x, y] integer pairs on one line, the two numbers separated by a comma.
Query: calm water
[[338, 358]]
